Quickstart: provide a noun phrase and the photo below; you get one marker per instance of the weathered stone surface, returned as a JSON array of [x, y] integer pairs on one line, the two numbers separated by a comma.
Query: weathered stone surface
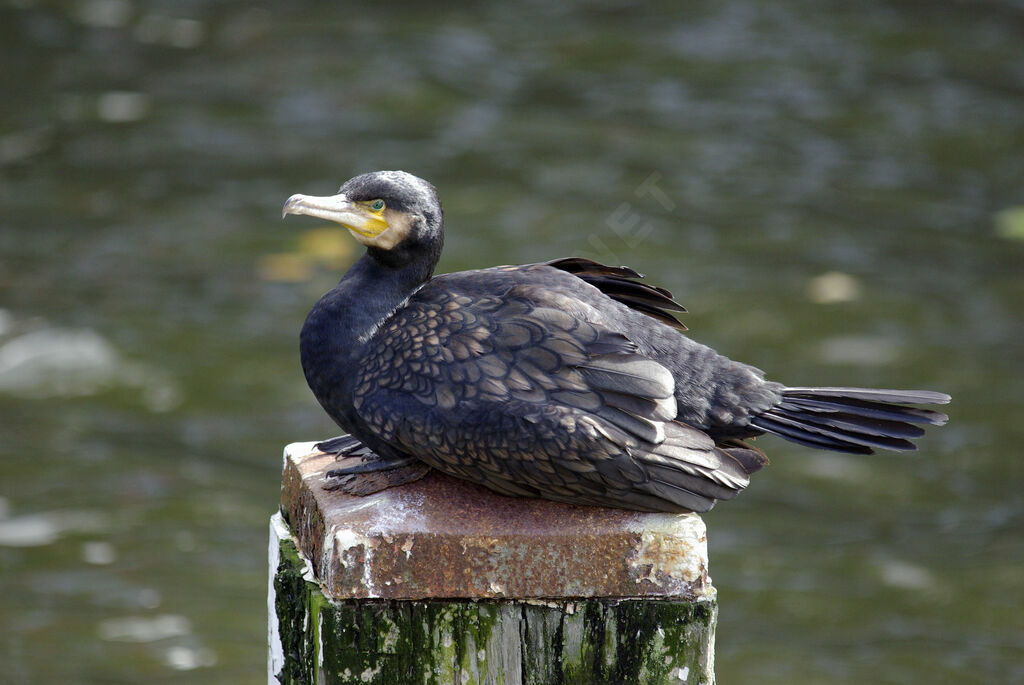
[[315, 639], [440, 537]]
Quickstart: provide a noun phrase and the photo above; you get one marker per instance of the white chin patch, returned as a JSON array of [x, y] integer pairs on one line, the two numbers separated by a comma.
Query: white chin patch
[[397, 231]]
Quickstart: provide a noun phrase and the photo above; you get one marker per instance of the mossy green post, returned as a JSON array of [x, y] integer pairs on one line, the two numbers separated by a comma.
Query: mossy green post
[[441, 582]]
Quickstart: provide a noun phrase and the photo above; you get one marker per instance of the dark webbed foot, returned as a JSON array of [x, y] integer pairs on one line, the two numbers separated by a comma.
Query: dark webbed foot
[[371, 463], [363, 471], [341, 446]]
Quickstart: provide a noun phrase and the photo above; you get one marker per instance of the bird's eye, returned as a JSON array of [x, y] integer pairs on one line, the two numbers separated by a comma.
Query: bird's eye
[[377, 205]]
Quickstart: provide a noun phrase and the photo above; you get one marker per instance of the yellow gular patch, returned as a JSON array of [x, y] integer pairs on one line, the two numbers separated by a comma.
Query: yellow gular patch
[[397, 226]]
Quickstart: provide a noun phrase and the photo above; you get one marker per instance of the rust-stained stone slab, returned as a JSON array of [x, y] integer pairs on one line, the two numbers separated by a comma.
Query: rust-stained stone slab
[[441, 537]]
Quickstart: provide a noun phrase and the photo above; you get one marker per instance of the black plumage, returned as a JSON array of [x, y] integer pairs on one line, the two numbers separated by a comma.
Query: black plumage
[[568, 380]]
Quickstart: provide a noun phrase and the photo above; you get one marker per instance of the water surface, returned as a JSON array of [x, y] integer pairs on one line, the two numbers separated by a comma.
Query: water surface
[[817, 182]]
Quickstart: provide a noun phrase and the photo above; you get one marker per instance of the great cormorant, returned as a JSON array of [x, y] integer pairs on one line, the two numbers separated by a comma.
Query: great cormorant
[[567, 380]]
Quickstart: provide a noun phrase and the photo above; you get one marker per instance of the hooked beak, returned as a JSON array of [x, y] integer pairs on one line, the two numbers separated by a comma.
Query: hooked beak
[[364, 223]]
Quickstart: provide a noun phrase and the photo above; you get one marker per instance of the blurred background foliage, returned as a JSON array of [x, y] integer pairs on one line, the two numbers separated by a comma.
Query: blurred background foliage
[[837, 200]]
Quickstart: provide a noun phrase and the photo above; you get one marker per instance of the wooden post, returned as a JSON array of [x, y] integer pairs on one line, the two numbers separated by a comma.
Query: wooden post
[[441, 581]]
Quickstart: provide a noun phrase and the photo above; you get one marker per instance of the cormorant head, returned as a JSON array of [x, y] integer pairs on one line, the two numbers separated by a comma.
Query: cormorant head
[[395, 214]]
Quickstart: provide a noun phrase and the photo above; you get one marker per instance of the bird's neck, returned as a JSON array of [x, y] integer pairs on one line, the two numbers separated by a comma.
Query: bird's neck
[[344, 319]]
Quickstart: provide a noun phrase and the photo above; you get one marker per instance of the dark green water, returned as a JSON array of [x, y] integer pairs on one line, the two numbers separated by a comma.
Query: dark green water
[[150, 295]]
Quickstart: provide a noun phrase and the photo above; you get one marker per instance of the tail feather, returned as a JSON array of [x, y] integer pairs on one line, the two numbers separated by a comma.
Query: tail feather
[[832, 432], [817, 441], [874, 395], [868, 409], [854, 420]]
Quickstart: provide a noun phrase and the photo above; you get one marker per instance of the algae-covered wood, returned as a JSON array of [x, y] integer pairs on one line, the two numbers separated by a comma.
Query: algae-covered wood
[[502, 641]]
